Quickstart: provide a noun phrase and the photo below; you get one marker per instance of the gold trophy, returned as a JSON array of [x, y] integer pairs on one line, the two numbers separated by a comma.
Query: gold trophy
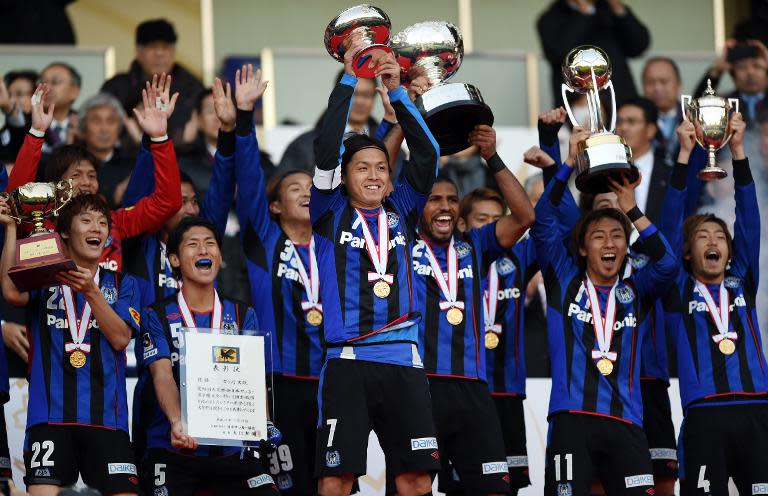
[[710, 114], [40, 256]]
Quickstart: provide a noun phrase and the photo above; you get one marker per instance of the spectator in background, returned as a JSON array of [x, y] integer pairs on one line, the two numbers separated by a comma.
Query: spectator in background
[[16, 90], [64, 83], [662, 85], [609, 24], [156, 54], [101, 121]]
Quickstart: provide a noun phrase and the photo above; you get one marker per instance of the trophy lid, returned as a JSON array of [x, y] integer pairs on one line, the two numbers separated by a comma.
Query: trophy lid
[[370, 20], [431, 48], [709, 99], [581, 63]]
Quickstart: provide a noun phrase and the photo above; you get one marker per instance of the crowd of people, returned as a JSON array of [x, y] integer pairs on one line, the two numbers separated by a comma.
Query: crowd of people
[[404, 293]]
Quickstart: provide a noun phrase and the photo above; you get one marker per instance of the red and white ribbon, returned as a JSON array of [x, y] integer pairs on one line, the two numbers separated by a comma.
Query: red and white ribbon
[[491, 300], [311, 280], [189, 319], [77, 328], [378, 252], [603, 326], [448, 283], [720, 316]]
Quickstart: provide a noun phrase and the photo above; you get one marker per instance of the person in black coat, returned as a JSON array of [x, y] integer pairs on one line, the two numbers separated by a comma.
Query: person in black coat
[[608, 24]]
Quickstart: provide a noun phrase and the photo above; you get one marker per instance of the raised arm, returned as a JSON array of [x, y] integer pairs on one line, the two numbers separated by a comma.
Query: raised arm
[[142, 180], [10, 292], [673, 212], [631, 34], [28, 159]]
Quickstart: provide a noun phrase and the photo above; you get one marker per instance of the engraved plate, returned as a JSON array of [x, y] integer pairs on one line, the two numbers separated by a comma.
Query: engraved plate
[[31, 249], [445, 93]]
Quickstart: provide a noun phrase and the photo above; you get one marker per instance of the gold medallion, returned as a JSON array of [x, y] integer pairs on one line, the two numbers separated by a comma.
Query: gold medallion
[[605, 366], [727, 347], [454, 316], [314, 317], [491, 340], [381, 289], [77, 359]]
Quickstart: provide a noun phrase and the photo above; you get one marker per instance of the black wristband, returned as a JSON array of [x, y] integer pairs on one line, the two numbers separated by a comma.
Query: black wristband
[[225, 143], [495, 164], [634, 214], [244, 122], [548, 132], [741, 173]]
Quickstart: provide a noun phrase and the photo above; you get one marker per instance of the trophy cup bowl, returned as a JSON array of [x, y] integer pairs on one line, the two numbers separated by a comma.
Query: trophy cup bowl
[[361, 20], [587, 71], [40, 256], [710, 114], [435, 49]]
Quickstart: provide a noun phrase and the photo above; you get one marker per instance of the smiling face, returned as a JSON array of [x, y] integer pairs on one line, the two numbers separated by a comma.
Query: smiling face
[[87, 235], [604, 247], [438, 220], [199, 256], [366, 177], [709, 252], [482, 213], [292, 204], [84, 177]]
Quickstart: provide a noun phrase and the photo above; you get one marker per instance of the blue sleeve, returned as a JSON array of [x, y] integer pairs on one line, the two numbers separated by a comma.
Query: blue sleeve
[[525, 251], [745, 259], [3, 179], [485, 239], [672, 216], [383, 129], [128, 304], [250, 321], [221, 190], [697, 161], [548, 228], [252, 205], [142, 181], [654, 279], [153, 342]]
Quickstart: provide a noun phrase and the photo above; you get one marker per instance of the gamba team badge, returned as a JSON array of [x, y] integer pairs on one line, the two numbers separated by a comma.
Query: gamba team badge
[[226, 354]]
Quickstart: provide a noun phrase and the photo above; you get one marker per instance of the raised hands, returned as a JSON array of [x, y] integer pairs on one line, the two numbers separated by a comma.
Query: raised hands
[[538, 158], [5, 211], [737, 127], [41, 120], [625, 192], [222, 104], [484, 138], [6, 104], [686, 135], [387, 69], [578, 135], [158, 106], [550, 123], [418, 86], [248, 87], [389, 110], [353, 44]]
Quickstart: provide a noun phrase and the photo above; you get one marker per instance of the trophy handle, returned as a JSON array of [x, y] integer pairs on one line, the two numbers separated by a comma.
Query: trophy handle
[[6, 196], [609, 87], [734, 103], [564, 89], [685, 101], [69, 192]]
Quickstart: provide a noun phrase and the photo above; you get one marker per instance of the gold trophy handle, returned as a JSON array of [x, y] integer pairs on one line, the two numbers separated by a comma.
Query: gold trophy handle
[[5, 196], [69, 192]]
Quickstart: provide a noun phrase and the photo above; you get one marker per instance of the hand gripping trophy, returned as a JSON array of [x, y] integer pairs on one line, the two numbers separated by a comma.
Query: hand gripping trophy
[[366, 21], [587, 70]]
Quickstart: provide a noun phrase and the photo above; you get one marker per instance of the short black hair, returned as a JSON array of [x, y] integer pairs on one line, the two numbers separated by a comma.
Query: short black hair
[[76, 78], [650, 112], [667, 60], [63, 157], [586, 220], [155, 30], [201, 96], [444, 178], [187, 223], [186, 178], [30, 76], [79, 204], [274, 184], [358, 142]]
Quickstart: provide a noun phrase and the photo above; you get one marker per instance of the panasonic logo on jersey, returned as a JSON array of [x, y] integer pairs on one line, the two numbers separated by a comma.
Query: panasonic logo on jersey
[[358, 242], [586, 317], [700, 306]]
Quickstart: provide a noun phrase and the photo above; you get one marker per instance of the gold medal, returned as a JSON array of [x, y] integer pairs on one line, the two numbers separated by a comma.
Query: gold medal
[[77, 359], [314, 317], [491, 340], [454, 316], [727, 347], [605, 366], [381, 289]]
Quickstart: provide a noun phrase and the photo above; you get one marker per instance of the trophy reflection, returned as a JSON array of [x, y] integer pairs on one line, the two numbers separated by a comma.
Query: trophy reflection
[[365, 21]]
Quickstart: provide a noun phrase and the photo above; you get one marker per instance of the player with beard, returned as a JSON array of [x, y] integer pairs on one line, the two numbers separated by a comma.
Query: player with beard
[[712, 320], [596, 320], [450, 268], [362, 239]]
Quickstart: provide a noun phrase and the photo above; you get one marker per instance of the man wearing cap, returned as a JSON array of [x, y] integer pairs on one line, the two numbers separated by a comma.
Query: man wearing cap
[[156, 54]]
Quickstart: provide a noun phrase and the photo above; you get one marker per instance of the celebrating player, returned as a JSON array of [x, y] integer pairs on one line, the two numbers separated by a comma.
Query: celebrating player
[[372, 366], [712, 319], [596, 320], [77, 421], [175, 463]]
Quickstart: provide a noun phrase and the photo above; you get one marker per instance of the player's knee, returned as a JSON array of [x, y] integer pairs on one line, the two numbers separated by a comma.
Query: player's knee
[[335, 485], [413, 484], [43, 490]]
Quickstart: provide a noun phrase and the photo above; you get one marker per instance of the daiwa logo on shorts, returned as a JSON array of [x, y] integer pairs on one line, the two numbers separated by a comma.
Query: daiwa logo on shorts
[[260, 480], [42, 472], [423, 443], [495, 468], [161, 491], [638, 480], [5, 462], [760, 488], [332, 459], [564, 489], [121, 468]]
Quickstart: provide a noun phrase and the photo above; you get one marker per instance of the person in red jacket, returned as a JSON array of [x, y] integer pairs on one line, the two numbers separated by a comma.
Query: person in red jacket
[[73, 162]]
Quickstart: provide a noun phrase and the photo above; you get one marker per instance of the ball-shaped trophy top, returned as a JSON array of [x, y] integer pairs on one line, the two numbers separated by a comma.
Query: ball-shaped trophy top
[[369, 20], [435, 46], [581, 63]]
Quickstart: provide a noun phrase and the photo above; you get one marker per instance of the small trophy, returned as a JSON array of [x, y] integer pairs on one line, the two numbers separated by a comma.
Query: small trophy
[[366, 20], [587, 70], [451, 110], [40, 256], [710, 114]]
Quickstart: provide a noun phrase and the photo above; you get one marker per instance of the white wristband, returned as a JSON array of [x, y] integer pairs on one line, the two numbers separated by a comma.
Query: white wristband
[[36, 132], [160, 139]]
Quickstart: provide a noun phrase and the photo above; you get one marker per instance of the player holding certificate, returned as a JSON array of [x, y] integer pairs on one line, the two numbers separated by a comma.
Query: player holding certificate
[[174, 460]]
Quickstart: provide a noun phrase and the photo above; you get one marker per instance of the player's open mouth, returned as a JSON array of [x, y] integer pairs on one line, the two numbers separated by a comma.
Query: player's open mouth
[[712, 256], [443, 222], [204, 264], [94, 242], [373, 187], [305, 204]]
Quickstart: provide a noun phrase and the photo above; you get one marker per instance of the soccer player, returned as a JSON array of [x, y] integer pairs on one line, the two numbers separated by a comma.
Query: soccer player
[[175, 464], [450, 268], [596, 320], [74, 162], [362, 238], [77, 420], [283, 270], [711, 317], [5, 387]]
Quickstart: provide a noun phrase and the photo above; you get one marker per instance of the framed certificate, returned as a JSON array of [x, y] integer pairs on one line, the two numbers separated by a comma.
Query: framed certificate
[[223, 389]]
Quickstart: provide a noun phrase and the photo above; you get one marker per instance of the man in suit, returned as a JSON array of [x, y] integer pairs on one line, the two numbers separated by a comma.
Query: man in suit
[[64, 82], [662, 85]]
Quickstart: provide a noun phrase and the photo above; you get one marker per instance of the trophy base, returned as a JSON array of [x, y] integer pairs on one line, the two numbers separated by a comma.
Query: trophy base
[[361, 63], [452, 111], [38, 259], [595, 179], [711, 173]]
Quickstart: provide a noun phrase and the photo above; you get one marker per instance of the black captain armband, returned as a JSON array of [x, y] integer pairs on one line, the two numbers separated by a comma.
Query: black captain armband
[[495, 163], [741, 173], [244, 122], [634, 214], [225, 143]]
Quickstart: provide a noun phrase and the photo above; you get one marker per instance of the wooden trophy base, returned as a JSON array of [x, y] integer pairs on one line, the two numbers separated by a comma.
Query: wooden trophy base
[[38, 260]]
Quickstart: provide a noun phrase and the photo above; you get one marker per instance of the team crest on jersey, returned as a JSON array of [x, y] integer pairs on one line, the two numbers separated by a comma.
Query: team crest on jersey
[[392, 219], [148, 345], [135, 315], [226, 354], [564, 489], [161, 491], [639, 261], [109, 241], [284, 482], [229, 327], [732, 282], [462, 248], [332, 459], [624, 294], [110, 294], [505, 266]]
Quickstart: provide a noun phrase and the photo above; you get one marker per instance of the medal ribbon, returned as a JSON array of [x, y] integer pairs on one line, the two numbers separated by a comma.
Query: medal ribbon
[[449, 288], [490, 300], [77, 328], [721, 318], [603, 327], [189, 319], [311, 282], [378, 253]]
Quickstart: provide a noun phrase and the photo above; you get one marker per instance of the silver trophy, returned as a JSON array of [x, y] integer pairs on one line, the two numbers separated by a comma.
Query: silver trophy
[[587, 71], [367, 21], [710, 114], [451, 110]]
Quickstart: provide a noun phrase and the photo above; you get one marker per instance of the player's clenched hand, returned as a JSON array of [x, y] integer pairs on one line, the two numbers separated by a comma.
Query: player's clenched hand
[[15, 337], [179, 437]]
